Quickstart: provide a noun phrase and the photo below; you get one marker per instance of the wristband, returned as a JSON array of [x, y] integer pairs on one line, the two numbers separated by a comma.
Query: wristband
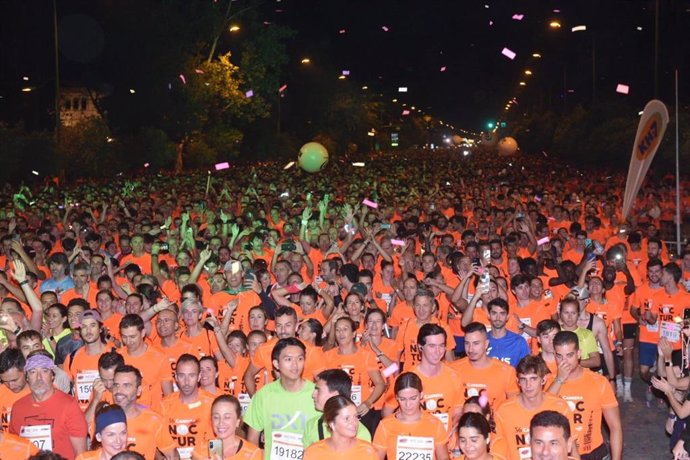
[[22, 283], [305, 222], [668, 363], [557, 379], [18, 330]]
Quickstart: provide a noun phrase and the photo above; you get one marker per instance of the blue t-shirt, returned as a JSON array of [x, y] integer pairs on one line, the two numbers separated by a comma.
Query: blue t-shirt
[[57, 287], [510, 348]]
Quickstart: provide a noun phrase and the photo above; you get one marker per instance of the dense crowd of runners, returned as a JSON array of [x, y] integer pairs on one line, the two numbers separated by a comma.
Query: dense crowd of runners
[[428, 305]]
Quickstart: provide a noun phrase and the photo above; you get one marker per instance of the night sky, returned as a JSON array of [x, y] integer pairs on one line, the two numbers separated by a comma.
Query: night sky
[[463, 36]]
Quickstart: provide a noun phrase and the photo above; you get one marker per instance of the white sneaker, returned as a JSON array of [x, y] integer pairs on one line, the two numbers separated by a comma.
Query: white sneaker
[[627, 397], [619, 390]]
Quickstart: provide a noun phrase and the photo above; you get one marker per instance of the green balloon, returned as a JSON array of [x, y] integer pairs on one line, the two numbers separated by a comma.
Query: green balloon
[[312, 157]]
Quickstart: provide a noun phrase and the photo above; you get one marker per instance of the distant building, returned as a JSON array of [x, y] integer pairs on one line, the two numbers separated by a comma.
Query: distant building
[[76, 106]]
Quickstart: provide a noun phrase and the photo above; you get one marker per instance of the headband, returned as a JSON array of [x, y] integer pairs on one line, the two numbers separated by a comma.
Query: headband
[[110, 417], [39, 361]]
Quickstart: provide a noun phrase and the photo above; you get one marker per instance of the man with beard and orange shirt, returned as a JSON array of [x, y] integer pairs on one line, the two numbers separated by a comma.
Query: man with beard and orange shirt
[[237, 289], [146, 429], [480, 373], [188, 412]]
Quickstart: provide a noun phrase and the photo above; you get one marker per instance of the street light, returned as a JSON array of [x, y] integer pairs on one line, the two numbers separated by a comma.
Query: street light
[[528, 72], [306, 60], [536, 55], [234, 28], [555, 24]]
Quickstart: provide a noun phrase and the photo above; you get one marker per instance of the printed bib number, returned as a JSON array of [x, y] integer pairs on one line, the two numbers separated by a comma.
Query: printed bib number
[[84, 383], [286, 446], [414, 448], [39, 435], [671, 331], [356, 394], [244, 400]]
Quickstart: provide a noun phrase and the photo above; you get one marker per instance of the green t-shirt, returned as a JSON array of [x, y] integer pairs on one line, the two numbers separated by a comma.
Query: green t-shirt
[[311, 433], [587, 342], [274, 409]]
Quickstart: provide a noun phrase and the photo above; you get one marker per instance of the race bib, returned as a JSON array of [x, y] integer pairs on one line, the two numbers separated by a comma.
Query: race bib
[[244, 400], [671, 331], [286, 446], [38, 435], [414, 448], [356, 394], [653, 327], [84, 384]]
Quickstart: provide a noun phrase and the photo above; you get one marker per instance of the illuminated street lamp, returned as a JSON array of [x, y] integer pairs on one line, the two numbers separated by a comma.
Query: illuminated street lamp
[[528, 72], [555, 25], [234, 28]]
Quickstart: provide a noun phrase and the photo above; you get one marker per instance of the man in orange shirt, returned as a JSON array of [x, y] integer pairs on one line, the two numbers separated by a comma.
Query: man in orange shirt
[[590, 397], [513, 416], [188, 412], [83, 364], [13, 381], [83, 288], [550, 436], [480, 373], [139, 256], [150, 361], [238, 290], [146, 429]]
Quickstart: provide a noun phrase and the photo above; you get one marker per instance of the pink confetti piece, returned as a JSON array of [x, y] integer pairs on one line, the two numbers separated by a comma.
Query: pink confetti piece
[[508, 53], [443, 69], [397, 242], [341, 31], [282, 88], [249, 93], [221, 166], [184, 80], [199, 71], [543, 240], [146, 165], [385, 29], [518, 17], [346, 72], [623, 89], [405, 112], [390, 370], [483, 400], [491, 23], [371, 204]]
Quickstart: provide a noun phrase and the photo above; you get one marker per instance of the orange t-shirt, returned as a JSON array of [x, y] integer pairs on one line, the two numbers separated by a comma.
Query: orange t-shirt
[[83, 369], [248, 451], [7, 399], [148, 431], [498, 379], [357, 365], [587, 395], [143, 261], [70, 294], [670, 307], [240, 317], [428, 428], [401, 313], [362, 450], [203, 344], [154, 368], [513, 419], [643, 298], [13, 446], [90, 455], [188, 424], [442, 394], [172, 353]]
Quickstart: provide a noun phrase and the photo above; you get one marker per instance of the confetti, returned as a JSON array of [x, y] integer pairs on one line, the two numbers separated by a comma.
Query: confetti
[[35, 173], [508, 53], [199, 71], [397, 242], [221, 166], [289, 165], [443, 69], [402, 89], [623, 89], [385, 29], [371, 204], [491, 23], [184, 80], [249, 93], [578, 29], [483, 400], [341, 31], [518, 17], [359, 164], [146, 165], [282, 88], [346, 72]]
